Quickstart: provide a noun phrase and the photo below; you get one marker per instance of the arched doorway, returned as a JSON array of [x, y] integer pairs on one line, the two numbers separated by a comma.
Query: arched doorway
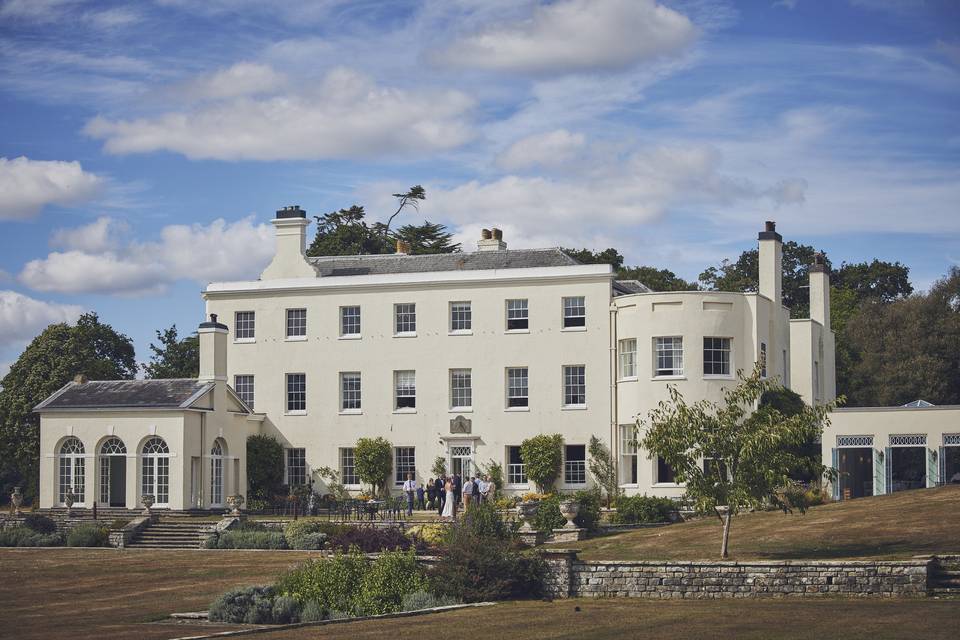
[[71, 471], [113, 472], [217, 453], [155, 479]]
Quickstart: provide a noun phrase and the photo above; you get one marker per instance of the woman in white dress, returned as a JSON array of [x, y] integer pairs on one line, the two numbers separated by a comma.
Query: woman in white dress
[[448, 507]]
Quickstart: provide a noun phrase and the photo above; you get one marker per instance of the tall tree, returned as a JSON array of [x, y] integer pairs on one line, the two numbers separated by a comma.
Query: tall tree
[[585, 256], [51, 360], [875, 280], [731, 455], [346, 233], [428, 237], [411, 198], [173, 357]]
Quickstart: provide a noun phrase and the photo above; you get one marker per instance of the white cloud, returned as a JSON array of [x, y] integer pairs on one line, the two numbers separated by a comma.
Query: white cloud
[[26, 186], [23, 317], [96, 261], [345, 115], [553, 148], [241, 79], [40, 11], [576, 36]]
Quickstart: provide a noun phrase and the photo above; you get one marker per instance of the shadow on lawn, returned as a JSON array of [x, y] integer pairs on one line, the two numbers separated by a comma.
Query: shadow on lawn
[[833, 551]]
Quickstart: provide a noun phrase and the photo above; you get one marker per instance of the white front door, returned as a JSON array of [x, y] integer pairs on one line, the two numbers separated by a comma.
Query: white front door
[[461, 459]]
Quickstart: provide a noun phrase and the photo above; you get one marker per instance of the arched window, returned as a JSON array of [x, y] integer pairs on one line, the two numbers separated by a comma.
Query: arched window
[[216, 473], [113, 455], [156, 470], [71, 470]]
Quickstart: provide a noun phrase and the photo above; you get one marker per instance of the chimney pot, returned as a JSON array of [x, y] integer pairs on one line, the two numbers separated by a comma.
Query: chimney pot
[[80, 379], [497, 234], [485, 234], [213, 317], [292, 211], [770, 225]]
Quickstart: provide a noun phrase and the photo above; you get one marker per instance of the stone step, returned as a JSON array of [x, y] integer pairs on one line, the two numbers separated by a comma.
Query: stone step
[[940, 592]]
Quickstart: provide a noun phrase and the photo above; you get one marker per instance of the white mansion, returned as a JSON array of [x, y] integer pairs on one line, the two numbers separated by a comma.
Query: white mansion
[[461, 356]]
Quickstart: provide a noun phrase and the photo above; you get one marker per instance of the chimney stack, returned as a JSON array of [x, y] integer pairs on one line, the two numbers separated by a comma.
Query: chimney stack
[[820, 290], [491, 240], [771, 263], [213, 350], [290, 260]]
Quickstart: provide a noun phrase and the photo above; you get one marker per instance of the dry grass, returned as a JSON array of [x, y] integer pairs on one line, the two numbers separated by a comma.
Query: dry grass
[[895, 526]]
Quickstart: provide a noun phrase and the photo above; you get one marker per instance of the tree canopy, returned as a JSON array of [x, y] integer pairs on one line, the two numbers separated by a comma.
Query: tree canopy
[[730, 455], [173, 357], [373, 460], [50, 361], [655, 279]]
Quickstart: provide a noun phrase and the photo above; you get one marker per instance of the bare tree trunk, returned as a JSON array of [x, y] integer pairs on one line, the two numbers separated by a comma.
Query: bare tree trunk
[[726, 533]]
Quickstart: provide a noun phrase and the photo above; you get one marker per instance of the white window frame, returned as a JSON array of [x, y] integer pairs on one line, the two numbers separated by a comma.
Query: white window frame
[[574, 386], [713, 350], [408, 464], [516, 472], [574, 471], [517, 309], [460, 391], [628, 453], [661, 345], [155, 470], [352, 396], [245, 326], [287, 394], [351, 479], [296, 324], [343, 324], [71, 470], [525, 387], [763, 359], [574, 309], [217, 458], [245, 386], [288, 458], [404, 386], [627, 359], [461, 318], [405, 319]]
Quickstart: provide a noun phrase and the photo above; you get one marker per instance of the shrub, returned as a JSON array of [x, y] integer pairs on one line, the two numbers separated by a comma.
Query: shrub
[[589, 501], [311, 542], [369, 540], [603, 468], [253, 605], [643, 509], [542, 455], [88, 535], [297, 530], [285, 610], [312, 612], [425, 600], [483, 522], [264, 468], [426, 535], [548, 515], [373, 461], [248, 540], [40, 523], [24, 537], [333, 582], [386, 581]]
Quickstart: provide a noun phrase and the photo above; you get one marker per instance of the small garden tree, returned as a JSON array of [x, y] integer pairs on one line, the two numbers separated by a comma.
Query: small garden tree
[[602, 469], [732, 455], [542, 456], [373, 458], [334, 482], [439, 468], [264, 467]]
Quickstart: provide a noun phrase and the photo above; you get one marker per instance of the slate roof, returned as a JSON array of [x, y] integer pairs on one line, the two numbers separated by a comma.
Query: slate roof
[[126, 394], [363, 265], [624, 287]]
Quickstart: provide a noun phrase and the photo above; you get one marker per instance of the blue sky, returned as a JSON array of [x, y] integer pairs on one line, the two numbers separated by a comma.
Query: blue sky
[[145, 146]]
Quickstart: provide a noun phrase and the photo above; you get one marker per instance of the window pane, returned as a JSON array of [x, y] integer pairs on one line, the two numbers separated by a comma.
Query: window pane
[[296, 392], [669, 356], [461, 316], [404, 462], [244, 321], [664, 471], [628, 454], [296, 323], [517, 316], [349, 321], [575, 464], [516, 471], [406, 318], [574, 312], [574, 385], [350, 391], [243, 385], [405, 385], [517, 387], [763, 359], [716, 356], [348, 472], [296, 466], [461, 388], [628, 358]]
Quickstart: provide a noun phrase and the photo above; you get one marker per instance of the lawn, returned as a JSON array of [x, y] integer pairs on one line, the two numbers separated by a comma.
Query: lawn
[[894, 526]]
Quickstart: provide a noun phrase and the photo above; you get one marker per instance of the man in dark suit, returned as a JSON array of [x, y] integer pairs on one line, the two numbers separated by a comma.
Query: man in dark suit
[[457, 488], [440, 493]]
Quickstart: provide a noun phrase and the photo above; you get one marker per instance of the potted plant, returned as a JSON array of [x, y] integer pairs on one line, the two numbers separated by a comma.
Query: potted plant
[[16, 499], [527, 510], [147, 501], [68, 499], [569, 509]]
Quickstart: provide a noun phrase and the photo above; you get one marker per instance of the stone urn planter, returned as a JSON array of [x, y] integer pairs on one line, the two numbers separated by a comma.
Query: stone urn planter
[[68, 499], [16, 499], [235, 502], [147, 501], [570, 509], [527, 511]]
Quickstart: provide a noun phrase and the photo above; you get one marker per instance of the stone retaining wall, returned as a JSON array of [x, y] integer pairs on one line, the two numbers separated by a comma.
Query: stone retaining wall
[[569, 576]]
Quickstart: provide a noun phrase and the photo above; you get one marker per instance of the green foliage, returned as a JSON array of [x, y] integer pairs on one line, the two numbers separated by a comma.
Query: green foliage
[[603, 469], [50, 361], [877, 280], [373, 458], [88, 534], [585, 256], [370, 539], [312, 612], [285, 610], [656, 279], [419, 600], [548, 515], [543, 455], [428, 237], [40, 523], [387, 580], [331, 478], [589, 514], [26, 537], [173, 358], [264, 467], [643, 509], [303, 533], [251, 605], [754, 446], [482, 522], [790, 403], [439, 468], [346, 233], [495, 470], [333, 582], [247, 540]]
